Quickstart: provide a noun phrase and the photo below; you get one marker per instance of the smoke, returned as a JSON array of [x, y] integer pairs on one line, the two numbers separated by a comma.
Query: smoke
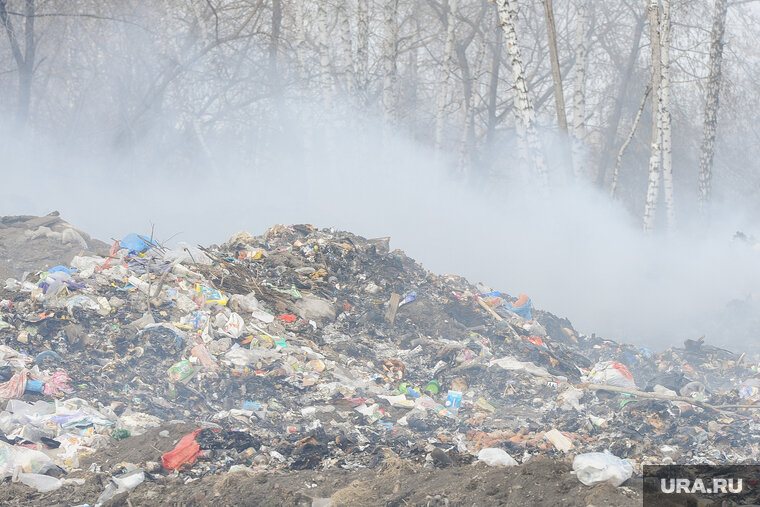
[[573, 250]]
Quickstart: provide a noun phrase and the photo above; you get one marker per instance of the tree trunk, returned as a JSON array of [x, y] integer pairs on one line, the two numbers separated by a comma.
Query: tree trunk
[[324, 53], [667, 164], [389, 58], [25, 61], [348, 53], [362, 48], [465, 142], [526, 116], [579, 89], [559, 94], [710, 123], [610, 138], [621, 152], [275, 42], [656, 147], [493, 87], [300, 42], [449, 7]]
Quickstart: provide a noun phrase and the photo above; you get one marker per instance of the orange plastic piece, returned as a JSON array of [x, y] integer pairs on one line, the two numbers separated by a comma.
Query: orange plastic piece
[[185, 453]]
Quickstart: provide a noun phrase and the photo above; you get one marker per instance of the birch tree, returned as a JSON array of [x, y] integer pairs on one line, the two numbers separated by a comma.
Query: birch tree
[[655, 155], [667, 163], [710, 122], [579, 88], [526, 116], [624, 146], [390, 46], [449, 8]]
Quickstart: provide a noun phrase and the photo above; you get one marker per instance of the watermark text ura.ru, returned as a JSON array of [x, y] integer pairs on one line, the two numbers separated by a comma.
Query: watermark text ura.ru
[[714, 485]]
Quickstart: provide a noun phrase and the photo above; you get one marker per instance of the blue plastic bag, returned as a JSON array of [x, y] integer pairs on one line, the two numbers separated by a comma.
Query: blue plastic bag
[[523, 311], [135, 243]]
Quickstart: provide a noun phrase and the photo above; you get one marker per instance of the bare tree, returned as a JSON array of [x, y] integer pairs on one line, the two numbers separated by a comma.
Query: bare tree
[[667, 162], [24, 61], [362, 48], [390, 55], [624, 80], [656, 145], [579, 88], [526, 116], [624, 146], [449, 9], [559, 94], [712, 102]]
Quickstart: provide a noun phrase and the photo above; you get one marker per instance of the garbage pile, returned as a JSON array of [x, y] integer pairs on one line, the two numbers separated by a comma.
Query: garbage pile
[[316, 349], [29, 243]]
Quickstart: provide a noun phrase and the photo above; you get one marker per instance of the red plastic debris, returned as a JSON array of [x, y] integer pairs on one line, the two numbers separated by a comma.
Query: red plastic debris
[[287, 317], [185, 453]]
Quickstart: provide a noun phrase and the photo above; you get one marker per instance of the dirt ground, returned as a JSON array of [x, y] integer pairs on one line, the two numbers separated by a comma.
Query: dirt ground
[[29, 244], [395, 482]]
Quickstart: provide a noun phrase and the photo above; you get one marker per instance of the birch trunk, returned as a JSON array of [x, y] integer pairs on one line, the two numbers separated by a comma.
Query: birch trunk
[[710, 125], [559, 94], [450, 7], [389, 58], [579, 89], [667, 164], [656, 147], [621, 152], [526, 116]]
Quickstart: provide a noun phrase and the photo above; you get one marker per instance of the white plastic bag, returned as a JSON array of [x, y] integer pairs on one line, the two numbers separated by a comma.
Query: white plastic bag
[[15, 460], [612, 373], [595, 467], [42, 483], [493, 456]]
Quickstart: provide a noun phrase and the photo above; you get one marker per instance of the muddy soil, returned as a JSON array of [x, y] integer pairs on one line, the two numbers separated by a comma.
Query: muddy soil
[[394, 482]]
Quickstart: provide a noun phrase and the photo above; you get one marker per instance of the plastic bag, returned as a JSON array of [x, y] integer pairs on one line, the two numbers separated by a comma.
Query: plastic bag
[[595, 467], [749, 389], [42, 483], [201, 352], [493, 456], [235, 326], [521, 307], [187, 254], [246, 304], [612, 373], [135, 243], [185, 453], [15, 460]]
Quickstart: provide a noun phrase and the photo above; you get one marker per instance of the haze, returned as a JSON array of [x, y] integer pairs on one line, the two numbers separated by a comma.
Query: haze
[[315, 153]]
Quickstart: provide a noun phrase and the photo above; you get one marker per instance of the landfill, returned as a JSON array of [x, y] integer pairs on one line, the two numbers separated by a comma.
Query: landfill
[[312, 366]]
